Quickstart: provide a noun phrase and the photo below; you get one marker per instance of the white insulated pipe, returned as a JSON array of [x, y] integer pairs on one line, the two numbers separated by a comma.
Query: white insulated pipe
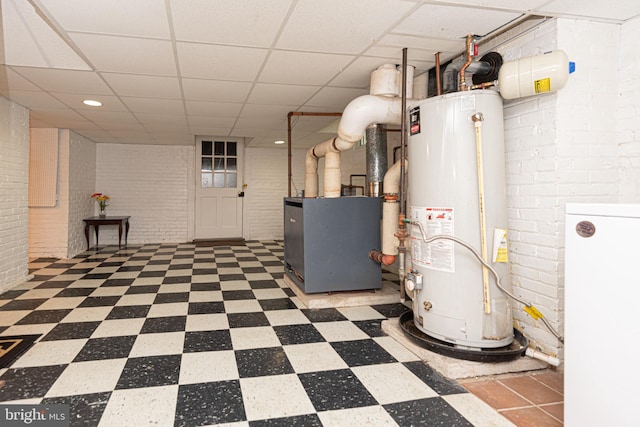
[[391, 208], [551, 360], [357, 116], [332, 175]]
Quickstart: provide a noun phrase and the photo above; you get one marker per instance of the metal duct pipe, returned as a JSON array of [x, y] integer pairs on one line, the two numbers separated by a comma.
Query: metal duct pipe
[[376, 149]]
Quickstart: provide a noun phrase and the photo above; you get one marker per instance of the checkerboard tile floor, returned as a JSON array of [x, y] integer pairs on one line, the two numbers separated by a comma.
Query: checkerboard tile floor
[[189, 336]]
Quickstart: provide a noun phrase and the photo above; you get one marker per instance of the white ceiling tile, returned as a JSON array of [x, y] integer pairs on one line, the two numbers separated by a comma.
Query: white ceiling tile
[[127, 54], [98, 136], [94, 134], [210, 131], [260, 111], [276, 123], [154, 106], [215, 90], [144, 86], [243, 23], [111, 118], [339, 26], [416, 44], [32, 99], [55, 114], [243, 65], [34, 43], [451, 22], [208, 61], [520, 5], [620, 10], [218, 122], [302, 68], [264, 93], [178, 133], [162, 121], [69, 81], [83, 125], [121, 126], [37, 123], [145, 18], [13, 80], [131, 134], [222, 109], [73, 100], [172, 133], [335, 99]]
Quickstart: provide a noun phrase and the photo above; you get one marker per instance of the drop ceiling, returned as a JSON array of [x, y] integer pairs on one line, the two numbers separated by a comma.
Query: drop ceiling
[[167, 70]]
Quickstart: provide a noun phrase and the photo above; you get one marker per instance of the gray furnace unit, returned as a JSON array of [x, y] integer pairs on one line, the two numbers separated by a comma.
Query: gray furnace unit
[[327, 243]]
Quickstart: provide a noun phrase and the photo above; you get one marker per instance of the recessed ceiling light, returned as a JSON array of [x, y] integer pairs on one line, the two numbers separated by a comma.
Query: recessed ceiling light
[[279, 142], [92, 103]]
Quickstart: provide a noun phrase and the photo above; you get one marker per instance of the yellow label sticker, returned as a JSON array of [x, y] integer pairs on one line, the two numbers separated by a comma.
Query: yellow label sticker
[[503, 255], [500, 252], [542, 85], [533, 312]]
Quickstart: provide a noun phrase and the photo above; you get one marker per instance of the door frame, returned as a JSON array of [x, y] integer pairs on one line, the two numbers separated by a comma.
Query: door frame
[[195, 179]]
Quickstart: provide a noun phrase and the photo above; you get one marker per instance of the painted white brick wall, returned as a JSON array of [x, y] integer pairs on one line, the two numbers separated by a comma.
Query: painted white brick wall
[[59, 231], [266, 179], [48, 226], [561, 148], [151, 183], [82, 182], [628, 112], [14, 195]]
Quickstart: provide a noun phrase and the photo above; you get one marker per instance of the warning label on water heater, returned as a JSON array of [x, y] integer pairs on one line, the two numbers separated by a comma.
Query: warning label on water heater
[[439, 254], [414, 121]]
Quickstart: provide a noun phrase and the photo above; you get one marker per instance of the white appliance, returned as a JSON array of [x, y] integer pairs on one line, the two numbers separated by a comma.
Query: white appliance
[[602, 311]]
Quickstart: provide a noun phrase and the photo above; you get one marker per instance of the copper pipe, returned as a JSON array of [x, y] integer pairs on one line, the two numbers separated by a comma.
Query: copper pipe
[[381, 258], [289, 176], [403, 128], [401, 234], [438, 83], [463, 84], [483, 85], [289, 154]]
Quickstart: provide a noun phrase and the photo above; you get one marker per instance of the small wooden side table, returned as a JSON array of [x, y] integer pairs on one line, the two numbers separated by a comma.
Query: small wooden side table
[[97, 221]]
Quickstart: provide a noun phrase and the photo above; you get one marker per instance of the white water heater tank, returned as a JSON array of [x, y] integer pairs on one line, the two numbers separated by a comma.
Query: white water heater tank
[[443, 197]]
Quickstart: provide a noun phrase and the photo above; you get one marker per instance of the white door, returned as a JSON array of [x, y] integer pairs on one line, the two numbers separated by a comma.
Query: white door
[[218, 188]]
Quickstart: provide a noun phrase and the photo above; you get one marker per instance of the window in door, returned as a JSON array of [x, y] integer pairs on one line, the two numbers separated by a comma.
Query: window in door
[[219, 164]]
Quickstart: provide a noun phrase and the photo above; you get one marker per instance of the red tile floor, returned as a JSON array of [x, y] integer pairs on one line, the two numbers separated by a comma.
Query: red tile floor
[[531, 400]]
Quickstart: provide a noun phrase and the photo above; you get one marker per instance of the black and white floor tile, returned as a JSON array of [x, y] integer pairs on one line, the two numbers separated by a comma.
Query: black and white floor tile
[[178, 335]]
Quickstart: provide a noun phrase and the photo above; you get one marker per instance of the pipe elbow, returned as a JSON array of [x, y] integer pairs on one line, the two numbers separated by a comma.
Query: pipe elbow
[[311, 161], [391, 182], [381, 258], [388, 259], [364, 111]]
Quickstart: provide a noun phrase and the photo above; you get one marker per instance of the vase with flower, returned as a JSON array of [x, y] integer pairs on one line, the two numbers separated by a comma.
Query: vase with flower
[[102, 200]]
